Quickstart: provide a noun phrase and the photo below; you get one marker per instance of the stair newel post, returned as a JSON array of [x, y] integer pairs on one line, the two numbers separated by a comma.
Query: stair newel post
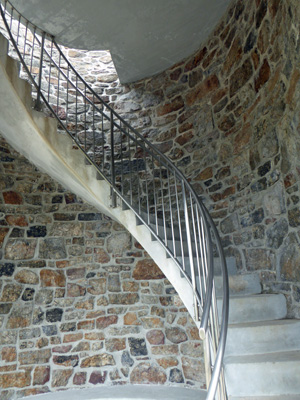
[[38, 105], [112, 161]]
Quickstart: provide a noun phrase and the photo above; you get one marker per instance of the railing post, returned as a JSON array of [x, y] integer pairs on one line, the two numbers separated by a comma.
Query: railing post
[[112, 161], [38, 104]]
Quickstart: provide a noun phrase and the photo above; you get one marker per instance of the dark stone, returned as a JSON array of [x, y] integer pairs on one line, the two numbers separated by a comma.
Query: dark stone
[[5, 308], [47, 187], [37, 231], [277, 233], [221, 104], [32, 264], [57, 199], [137, 347], [50, 330], [250, 42], [261, 12], [126, 359], [28, 294], [54, 315], [90, 275], [89, 217], [176, 376], [264, 169], [66, 361], [17, 233], [216, 187], [64, 217], [259, 185], [35, 200], [7, 269], [255, 218], [294, 217]]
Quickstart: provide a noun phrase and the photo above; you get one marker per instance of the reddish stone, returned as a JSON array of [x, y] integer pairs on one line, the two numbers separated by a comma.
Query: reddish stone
[[196, 60], [104, 322], [112, 345], [240, 76], [62, 349], [60, 377], [72, 337], [174, 75], [293, 84], [152, 322], [9, 354], [255, 58], [145, 373], [95, 314], [130, 286], [100, 256], [207, 173], [99, 360], [94, 336], [176, 335], [175, 105], [226, 123], [86, 325], [86, 304], [146, 270], [3, 233], [97, 377], [16, 220], [131, 319], [263, 75], [218, 96], [12, 198], [79, 378], [41, 375], [273, 7], [234, 55], [62, 264], [242, 139], [209, 85], [167, 362], [155, 337], [15, 380], [185, 138], [52, 278], [76, 273]]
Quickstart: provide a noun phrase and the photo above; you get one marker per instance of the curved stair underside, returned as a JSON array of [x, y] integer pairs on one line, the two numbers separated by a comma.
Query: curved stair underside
[[35, 136]]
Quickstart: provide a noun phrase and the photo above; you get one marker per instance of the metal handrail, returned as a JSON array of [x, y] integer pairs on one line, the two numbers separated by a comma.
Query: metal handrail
[[140, 175]]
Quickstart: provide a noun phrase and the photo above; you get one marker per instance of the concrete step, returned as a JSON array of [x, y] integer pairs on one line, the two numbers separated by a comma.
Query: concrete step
[[262, 337], [281, 397], [273, 374], [230, 261], [239, 284], [260, 307]]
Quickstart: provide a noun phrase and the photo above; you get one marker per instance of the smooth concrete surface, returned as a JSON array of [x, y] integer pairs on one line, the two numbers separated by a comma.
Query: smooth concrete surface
[[262, 307], [144, 37], [263, 337], [264, 374], [126, 392]]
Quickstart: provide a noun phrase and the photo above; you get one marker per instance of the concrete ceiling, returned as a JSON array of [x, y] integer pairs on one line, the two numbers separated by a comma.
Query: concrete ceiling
[[144, 36]]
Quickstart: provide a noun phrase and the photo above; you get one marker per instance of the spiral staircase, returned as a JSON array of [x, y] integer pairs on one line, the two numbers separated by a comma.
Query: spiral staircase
[[87, 147]]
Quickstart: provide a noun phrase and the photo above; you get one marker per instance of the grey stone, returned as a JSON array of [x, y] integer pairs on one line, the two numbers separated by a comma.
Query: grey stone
[[119, 243], [137, 347], [230, 224], [176, 376], [52, 249], [113, 283], [126, 359], [277, 233]]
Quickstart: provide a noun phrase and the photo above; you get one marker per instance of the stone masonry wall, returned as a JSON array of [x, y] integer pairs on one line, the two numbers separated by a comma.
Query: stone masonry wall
[[81, 303], [229, 118]]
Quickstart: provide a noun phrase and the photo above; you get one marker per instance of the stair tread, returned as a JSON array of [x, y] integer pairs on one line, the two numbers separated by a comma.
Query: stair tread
[[281, 397], [282, 356], [262, 324]]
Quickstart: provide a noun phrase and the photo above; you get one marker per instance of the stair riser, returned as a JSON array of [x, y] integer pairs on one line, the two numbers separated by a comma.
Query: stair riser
[[259, 379], [255, 308], [263, 338]]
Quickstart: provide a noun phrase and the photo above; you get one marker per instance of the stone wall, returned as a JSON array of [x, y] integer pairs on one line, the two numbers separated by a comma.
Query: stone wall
[[229, 118], [81, 303]]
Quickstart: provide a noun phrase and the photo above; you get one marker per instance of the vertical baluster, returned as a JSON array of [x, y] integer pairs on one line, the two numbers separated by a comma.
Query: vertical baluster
[[112, 155], [18, 31], [85, 118], [147, 191], [103, 142], [163, 204], [154, 194], [67, 99], [25, 40], [130, 168], [137, 176], [179, 223], [94, 130], [76, 106], [50, 69], [58, 85], [171, 215], [32, 50], [122, 129], [39, 89]]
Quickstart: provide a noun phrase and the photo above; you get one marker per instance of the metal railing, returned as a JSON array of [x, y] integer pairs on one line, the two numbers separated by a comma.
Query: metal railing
[[140, 176]]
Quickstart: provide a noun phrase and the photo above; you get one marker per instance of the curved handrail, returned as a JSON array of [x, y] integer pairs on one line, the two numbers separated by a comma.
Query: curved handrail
[[164, 201]]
